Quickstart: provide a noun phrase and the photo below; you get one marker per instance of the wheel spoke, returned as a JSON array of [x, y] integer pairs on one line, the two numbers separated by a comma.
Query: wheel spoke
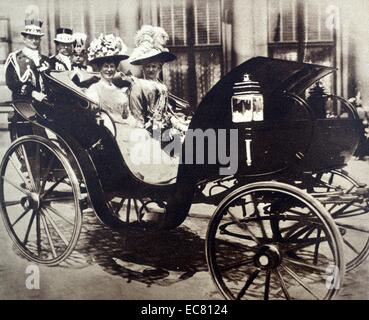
[[303, 244], [243, 226], [350, 246], [51, 189], [25, 241], [342, 209], [28, 166], [128, 211], [299, 233], [56, 212], [296, 277], [351, 213], [291, 229], [136, 207], [26, 182], [316, 249], [47, 173], [283, 284], [12, 203], [20, 217], [346, 226], [54, 225], [267, 284], [237, 264], [260, 221], [70, 198], [248, 283], [308, 234], [50, 240], [305, 265], [38, 232], [37, 167], [26, 192]]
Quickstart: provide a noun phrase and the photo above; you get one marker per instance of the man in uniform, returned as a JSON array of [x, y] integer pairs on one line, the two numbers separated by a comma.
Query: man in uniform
[[23, 71], [23, 66], [64, 42]]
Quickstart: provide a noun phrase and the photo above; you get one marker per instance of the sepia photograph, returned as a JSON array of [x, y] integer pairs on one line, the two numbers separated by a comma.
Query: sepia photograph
[[204, 150]]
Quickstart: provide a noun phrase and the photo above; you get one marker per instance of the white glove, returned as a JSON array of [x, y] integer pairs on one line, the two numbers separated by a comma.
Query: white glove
[[39, 96]]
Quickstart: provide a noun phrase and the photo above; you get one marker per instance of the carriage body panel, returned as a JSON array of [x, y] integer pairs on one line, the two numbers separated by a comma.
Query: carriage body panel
[[293, 134]]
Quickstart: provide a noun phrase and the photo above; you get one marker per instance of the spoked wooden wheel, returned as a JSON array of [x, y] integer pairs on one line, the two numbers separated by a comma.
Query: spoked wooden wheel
[[271, 240], [40, 200], [348, 203], [143, 212]]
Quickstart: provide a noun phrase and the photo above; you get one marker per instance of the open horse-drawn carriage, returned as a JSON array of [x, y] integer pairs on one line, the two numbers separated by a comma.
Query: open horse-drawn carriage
[[289, 221]]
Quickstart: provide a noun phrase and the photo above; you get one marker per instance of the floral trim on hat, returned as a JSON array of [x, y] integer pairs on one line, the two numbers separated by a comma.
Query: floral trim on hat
[[149, 38], [106, 46]]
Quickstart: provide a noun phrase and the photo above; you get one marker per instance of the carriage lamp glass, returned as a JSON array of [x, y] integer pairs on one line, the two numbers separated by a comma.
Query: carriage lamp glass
[[247, 101]]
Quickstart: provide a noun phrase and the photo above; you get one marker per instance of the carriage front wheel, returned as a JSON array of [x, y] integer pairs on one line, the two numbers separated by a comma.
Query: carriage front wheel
[[270, 240], [40, 200]]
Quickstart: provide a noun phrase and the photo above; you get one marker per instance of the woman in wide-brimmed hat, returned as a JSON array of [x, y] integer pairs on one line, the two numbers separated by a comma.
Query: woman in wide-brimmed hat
[[104, 54], [150, 108], [151, 54]]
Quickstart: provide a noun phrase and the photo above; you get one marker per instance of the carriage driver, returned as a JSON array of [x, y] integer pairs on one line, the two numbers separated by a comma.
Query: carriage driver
[[23, 67]]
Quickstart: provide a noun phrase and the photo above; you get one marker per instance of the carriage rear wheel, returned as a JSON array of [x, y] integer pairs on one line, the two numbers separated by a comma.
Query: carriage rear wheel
[[348, 203], [40, 200], [270, 240]]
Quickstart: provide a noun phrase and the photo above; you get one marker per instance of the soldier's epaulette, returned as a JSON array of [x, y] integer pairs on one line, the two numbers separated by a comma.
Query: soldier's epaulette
[[22, 57]]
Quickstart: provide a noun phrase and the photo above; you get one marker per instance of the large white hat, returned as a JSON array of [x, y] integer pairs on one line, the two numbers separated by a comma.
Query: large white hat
[[64, 35], [32, 22], [107, 48], [151, 46]]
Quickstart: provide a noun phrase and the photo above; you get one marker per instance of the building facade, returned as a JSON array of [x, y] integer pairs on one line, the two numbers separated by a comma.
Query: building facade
[[210, 37]]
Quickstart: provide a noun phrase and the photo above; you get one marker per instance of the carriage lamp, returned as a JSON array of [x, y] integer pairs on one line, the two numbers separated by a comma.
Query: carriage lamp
[[247, 106], [247, 101]]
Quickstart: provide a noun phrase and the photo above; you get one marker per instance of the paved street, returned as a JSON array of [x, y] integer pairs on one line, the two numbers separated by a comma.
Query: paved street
[[136, 264]]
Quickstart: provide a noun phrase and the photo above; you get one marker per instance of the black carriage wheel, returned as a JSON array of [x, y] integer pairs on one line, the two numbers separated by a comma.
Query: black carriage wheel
[[40, 200], [261, 244], [349, 207]]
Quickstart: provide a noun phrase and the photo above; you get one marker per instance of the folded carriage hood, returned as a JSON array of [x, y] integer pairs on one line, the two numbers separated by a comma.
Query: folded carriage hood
[[274, 75]]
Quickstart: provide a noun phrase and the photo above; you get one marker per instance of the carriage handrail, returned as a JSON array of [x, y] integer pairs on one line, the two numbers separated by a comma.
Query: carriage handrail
[[301, 102]]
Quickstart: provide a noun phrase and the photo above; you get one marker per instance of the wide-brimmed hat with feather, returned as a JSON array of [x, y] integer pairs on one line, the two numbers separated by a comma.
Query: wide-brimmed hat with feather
[[107, 48], [32, 23], [151, 46]]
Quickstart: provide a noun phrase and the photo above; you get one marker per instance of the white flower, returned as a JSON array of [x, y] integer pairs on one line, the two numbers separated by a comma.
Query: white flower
[[108, 45]]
